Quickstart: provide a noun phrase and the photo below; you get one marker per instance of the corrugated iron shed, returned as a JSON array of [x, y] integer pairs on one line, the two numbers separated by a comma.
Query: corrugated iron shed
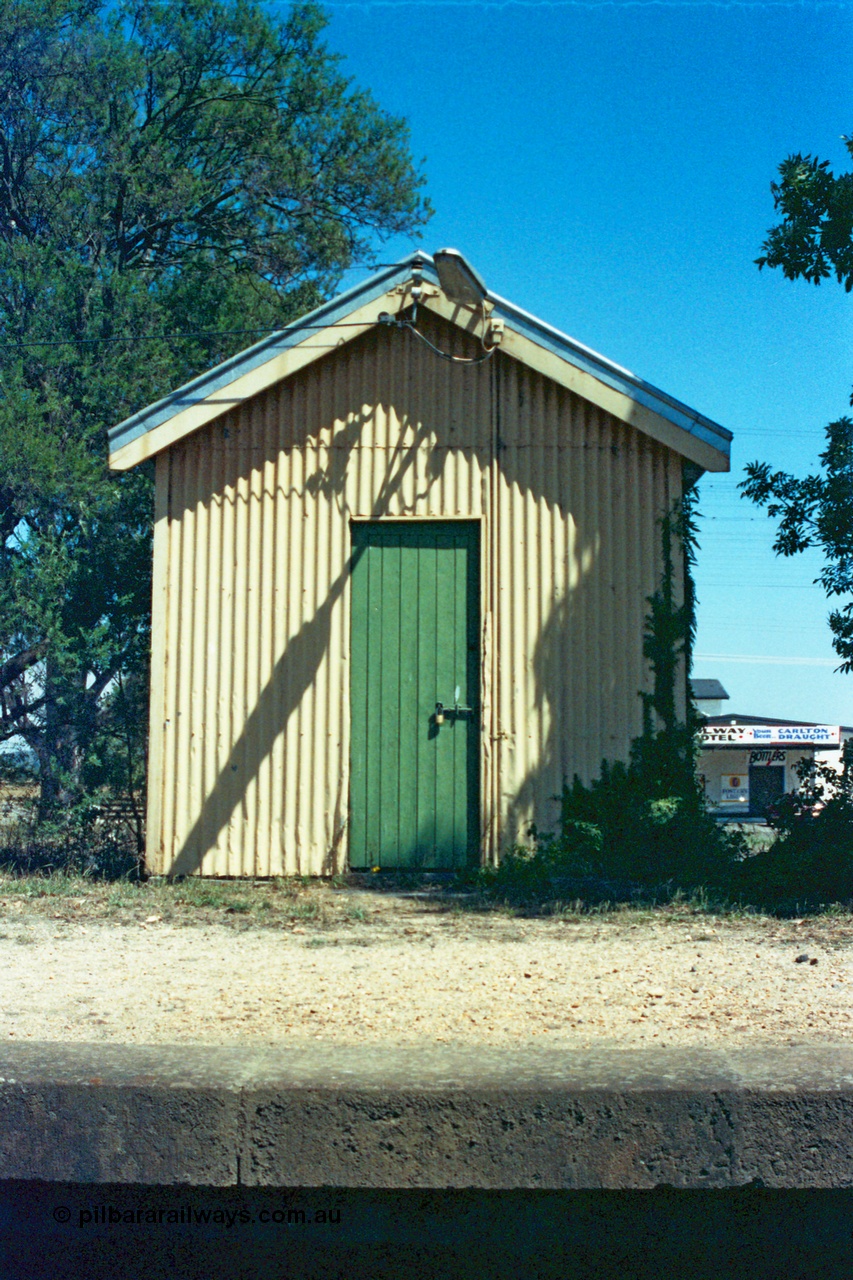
[[272, 472]]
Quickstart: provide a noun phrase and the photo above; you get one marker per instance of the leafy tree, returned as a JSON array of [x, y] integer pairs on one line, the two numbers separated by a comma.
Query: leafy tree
[[813, 241], [815, 237], [176, 176]]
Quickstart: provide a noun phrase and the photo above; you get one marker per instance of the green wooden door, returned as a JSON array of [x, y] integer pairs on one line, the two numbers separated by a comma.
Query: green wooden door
[[415, 629]]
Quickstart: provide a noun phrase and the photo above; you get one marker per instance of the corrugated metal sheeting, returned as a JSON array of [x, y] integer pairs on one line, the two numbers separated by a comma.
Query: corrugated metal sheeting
[[250, 716]]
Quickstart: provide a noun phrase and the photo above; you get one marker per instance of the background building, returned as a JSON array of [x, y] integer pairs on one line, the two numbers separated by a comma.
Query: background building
[[748, 762]]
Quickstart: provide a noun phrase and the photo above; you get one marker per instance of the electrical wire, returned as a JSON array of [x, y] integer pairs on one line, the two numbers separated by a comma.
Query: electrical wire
[[410, 323], [176, 337], [238, 333], [445, 355]]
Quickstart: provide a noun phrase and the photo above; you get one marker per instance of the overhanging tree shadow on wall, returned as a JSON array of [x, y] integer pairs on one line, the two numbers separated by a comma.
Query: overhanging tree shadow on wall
[[292, 676], [641, 824], [569, 628]]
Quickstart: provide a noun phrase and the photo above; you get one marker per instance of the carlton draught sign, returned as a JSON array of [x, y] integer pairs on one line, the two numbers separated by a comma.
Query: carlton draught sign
[[771, 735]]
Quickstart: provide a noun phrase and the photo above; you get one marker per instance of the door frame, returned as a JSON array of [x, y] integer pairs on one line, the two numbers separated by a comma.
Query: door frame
[[475, 785], [764, 770]]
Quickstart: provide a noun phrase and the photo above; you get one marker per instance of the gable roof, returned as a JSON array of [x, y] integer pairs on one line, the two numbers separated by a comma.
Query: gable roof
[[707, 689], [357, 310], [730, 718]]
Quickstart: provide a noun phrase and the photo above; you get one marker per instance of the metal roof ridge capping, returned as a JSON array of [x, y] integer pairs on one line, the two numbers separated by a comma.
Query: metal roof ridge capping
[[468, 290]]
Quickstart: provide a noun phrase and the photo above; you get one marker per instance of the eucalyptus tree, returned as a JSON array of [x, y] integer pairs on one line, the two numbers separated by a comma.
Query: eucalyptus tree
[[176, 177]]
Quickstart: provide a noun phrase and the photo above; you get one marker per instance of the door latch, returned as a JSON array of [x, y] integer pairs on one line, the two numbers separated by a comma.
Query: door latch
[[441, 711]]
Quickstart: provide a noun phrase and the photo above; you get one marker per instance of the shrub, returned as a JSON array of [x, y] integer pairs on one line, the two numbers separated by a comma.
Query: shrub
[[18, 766], [621, 835], [811, 861], [651, 834], [91, 838]]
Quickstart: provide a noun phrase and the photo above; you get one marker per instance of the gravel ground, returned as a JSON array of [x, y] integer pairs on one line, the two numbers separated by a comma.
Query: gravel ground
[[410, 971]]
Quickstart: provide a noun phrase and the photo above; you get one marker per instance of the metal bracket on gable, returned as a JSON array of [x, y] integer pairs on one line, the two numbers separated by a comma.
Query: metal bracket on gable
[[495, 332]]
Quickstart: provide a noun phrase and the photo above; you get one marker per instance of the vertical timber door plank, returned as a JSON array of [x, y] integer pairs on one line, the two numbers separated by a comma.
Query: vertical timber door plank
[[473, 661], [389, 724], [410, 716], [373, 556], [446, 681], [463, 727], [426, 660]]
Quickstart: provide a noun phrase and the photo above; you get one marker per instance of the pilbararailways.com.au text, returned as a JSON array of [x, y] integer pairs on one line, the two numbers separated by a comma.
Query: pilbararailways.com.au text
[[193, 1215]]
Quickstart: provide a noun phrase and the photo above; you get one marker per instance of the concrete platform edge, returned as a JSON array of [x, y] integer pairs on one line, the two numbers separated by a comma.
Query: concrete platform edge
[[319, 1114]]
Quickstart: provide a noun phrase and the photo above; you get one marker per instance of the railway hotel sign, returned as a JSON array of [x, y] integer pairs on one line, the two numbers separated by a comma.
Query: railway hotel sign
[[769, 735]]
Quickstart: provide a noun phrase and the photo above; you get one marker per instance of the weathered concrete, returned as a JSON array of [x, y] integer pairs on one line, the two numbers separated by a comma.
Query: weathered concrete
[[326, 1115]]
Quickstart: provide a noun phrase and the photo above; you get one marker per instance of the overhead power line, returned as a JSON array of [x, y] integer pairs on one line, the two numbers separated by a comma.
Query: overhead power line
[[176, 337], [765, 659], [568, 4], [587, 4]]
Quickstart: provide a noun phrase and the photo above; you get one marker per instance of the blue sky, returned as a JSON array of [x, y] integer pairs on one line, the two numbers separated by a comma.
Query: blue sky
[[607, 166]]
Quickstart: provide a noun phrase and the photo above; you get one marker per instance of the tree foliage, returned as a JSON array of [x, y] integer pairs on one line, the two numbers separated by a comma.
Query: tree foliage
[[813, 241], [664, 756], [175, 177], [817, 511]]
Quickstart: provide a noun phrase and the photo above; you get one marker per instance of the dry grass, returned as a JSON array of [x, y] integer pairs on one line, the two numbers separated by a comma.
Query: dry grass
[[347, 903], [231, 903]]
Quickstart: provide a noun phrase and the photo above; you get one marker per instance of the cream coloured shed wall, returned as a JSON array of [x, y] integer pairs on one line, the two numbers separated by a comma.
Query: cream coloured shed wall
[[249, 760]]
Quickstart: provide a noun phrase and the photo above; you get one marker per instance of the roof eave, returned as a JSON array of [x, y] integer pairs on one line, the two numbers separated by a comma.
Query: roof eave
[[615, 375], [695, 437], [260, 353]]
